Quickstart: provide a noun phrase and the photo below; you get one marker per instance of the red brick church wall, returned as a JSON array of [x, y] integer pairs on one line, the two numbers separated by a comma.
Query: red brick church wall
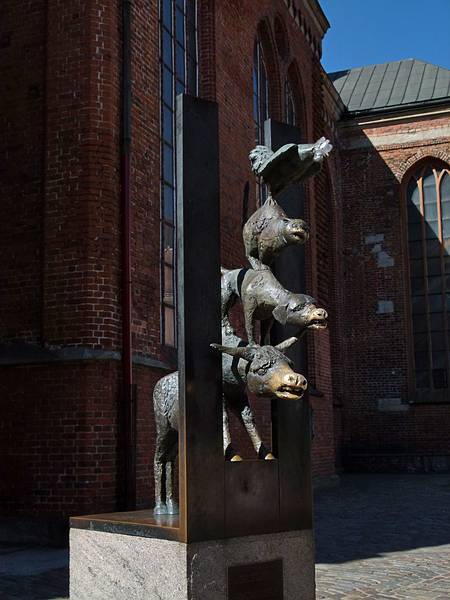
[[59, 418], [379, 434]]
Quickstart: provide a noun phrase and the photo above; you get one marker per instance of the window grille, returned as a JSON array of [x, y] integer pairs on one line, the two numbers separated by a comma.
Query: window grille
[[428, 225], [260, 106], [290, 116], [179, 74]]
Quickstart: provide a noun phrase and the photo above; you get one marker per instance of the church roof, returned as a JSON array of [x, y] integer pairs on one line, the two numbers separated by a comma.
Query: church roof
[[391, 85]]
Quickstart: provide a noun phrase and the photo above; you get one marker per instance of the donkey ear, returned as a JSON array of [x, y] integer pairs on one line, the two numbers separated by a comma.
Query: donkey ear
[[280, 313], [245, 352]]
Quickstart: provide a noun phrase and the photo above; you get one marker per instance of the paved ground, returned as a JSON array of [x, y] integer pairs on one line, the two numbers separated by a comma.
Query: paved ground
[[32, 573], [384, 536], [378, 537]]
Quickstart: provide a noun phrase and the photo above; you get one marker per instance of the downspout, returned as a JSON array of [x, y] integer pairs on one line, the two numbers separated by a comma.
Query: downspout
[[128, 395]]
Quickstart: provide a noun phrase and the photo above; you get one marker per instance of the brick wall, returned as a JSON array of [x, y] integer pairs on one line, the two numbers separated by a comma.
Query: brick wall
[[81, 216], [22, 130], [376, 344], [60, 435], [59, 449]]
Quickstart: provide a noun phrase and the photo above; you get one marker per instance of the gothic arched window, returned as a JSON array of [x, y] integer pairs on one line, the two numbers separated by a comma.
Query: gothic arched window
[[260, 106], [179, 73], [260, 92], [428, 225], [290, 116]]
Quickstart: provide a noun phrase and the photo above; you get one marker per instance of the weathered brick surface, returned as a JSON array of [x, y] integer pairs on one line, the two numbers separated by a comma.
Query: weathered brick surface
[[81, 238], [22, 130], [60, 429]]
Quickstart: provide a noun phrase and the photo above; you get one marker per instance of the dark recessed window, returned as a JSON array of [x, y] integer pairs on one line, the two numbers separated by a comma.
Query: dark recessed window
[[290, 116], [260, 93], [428, 215], [179, 73], [260, 104]]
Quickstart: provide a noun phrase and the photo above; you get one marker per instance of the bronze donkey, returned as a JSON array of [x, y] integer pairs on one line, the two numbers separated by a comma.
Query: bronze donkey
[[262, 370]]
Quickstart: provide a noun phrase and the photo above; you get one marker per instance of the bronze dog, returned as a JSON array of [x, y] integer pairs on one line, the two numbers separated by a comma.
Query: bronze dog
[[264, 299]]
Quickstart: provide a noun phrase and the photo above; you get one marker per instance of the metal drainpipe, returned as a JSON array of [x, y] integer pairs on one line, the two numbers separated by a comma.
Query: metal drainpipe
[[128, 395]]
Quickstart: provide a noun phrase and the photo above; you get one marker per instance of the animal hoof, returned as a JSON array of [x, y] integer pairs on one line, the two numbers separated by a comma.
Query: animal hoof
[[160, 509], [172, 508], [269, 456], [235, 458]]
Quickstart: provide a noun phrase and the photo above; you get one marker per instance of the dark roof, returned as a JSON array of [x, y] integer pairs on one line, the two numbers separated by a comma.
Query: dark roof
[[392, 84]]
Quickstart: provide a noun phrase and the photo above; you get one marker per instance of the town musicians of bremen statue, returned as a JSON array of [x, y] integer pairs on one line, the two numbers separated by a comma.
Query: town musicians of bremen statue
[[255, 367]]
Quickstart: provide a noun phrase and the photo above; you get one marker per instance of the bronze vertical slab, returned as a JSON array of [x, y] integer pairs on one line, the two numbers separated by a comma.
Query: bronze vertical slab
[[292, 419], [198, 276], [252, 499]]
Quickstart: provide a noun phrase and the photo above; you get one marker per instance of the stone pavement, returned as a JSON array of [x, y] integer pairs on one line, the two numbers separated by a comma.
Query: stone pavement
[[377, 536], [33, 573], [384, 537]]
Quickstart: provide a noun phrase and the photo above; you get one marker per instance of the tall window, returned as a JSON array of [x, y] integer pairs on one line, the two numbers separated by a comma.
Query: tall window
[[260, 104], [289, 106], [260, 93], [178, 21], [428, 206]]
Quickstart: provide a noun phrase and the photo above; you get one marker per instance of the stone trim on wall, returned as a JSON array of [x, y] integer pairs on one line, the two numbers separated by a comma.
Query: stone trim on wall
[[25, 354]]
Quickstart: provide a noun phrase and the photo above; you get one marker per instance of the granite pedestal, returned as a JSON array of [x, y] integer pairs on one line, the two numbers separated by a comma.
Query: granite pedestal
[[124, 561]]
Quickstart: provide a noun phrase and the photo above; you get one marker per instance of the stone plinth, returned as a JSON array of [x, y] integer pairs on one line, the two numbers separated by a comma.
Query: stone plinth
[[106, 565]]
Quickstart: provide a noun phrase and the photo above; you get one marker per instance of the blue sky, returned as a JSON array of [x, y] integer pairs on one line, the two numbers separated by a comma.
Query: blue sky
[[366, 32]]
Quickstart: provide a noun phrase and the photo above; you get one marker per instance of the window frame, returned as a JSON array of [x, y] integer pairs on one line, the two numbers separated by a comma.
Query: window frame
[[259, 119], [417, 171], [190, 52], [289, 96]]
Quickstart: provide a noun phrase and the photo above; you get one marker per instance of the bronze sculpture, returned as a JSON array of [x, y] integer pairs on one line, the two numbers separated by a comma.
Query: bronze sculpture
[[265, 299], [268, 231], [292, 163], [260, 369]]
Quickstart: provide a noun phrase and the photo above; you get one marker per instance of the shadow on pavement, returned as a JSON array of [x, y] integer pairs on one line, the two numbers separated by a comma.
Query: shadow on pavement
[[33, 573], [370, 515]]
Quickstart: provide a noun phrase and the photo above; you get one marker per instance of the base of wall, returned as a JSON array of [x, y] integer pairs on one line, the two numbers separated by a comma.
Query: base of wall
[[396, 463], [36, 531], [129, 567]]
